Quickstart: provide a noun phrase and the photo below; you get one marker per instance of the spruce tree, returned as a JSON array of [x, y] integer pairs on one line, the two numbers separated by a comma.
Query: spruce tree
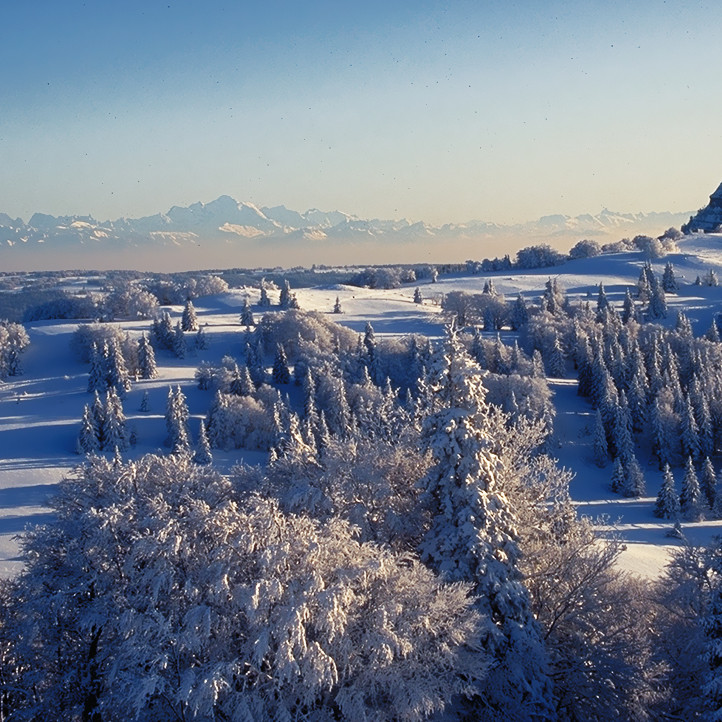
[[418, 298], [176, 421], [628, 308], [634, 484], [144, 403], [281, 372], [189, 319], [264, 301], [669, 282], [708, 483], [667, 504], [519, 313], [337, 306], [556, 363], [246, 314], [201, 340], [601, 452], [98, 370], [179, 342], [712, 333], [618, 477], [146, 359], [98, 412], [690, 499], [89, 436], [114, 435], [472, 536], [203, 450]]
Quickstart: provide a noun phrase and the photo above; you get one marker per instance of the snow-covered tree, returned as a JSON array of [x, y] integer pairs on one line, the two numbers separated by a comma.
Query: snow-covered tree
[[667, 504], [114, 434], [176, 421], [337, 306], [14, 340], [89, 435], [98, 372], [690, 499], [264, 301], [669, 282], [618, 479], [418, 298], [189, 319], [472, 536], [519, 313], [117, 371], [203, 449], [281, 372], [201, 339], [599, 441], [179, 341], [246, 314], [158, 594], [708, 483], [147, 367]]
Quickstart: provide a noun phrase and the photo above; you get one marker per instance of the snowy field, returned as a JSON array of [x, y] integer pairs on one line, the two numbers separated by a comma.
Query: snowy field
[[40, 411]]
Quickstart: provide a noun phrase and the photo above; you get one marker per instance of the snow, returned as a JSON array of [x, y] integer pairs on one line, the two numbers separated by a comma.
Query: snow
[[40, 411]]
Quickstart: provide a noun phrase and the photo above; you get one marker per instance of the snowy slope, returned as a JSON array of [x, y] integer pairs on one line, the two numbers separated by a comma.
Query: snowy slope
[[40, 411]]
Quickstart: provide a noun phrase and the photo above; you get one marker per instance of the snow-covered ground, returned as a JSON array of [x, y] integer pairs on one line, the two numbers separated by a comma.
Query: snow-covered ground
[[40, 411]]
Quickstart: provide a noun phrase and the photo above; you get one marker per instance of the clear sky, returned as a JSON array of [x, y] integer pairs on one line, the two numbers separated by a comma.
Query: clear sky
[[437, 111]]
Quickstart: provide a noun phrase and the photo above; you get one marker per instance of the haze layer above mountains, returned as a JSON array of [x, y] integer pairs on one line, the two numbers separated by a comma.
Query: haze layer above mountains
[[226, 233]]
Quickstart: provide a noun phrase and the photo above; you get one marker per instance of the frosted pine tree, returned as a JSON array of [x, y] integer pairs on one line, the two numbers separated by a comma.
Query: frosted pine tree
[[712, 333], [628, 308], [602, 301], [117, 375], [712, 625], [179, 342], [657, 302], [203, 450], [189, 319], [618, 476], [667, 505], [689, 432], [519, 313], [264, 301], [281, 372], [601, 451], [669, 282], [473, 535], [98, 412], [176, 421], [634, 484], [146, 359], [246, 314], [708, 483], [98, 370], [418, 298], [144, 403], [201, 340], [690, 500], [89, 436], [556, 363], [114, 433]]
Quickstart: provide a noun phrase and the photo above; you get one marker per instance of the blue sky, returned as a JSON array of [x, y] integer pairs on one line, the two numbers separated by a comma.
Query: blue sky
[[439, 111]]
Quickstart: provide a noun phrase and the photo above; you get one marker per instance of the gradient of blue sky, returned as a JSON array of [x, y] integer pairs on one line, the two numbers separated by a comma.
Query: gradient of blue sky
[[441, 111]]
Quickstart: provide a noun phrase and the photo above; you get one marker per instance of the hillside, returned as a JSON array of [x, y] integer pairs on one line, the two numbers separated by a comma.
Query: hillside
[[40, 411]]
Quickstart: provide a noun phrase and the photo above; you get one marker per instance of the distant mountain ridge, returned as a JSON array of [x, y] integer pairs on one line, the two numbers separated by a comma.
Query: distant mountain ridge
[[225, 225]]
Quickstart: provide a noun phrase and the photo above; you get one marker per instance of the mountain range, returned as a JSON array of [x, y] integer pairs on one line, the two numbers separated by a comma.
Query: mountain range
[[229, 232]]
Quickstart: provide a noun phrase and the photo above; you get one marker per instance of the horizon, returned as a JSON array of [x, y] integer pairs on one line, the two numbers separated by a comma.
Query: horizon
[[441, 113], [268, 206]]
